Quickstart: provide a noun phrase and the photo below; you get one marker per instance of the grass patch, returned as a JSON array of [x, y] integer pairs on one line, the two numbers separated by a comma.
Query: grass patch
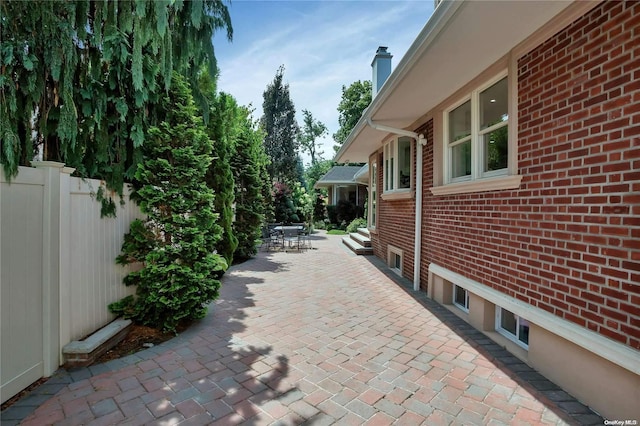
[[337, 232]]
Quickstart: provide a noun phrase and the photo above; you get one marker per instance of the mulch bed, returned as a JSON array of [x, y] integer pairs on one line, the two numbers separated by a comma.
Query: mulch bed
[[135, 341]]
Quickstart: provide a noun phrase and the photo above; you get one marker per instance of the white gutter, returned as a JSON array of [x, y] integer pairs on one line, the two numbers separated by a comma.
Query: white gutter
[[421, 141]]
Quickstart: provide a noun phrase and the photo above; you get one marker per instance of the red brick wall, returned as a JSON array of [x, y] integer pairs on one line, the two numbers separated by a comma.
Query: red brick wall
[[568, 241], [396, 224]]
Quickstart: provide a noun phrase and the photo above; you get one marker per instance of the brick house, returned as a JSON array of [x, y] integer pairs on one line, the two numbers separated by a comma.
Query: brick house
[[519, 126]]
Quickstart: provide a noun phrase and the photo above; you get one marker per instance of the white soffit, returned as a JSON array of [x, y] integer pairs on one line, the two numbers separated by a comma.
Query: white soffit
[[448, 53]]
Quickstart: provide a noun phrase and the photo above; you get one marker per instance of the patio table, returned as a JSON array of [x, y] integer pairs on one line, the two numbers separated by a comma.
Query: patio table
[[292, 235]]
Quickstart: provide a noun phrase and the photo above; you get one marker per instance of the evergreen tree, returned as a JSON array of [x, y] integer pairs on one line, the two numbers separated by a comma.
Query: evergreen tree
[[299, 177], [222, 129], [79, 79], [266, 190], [355, 99], [176, 242], [247, 163], [312, 129], [281, 129]]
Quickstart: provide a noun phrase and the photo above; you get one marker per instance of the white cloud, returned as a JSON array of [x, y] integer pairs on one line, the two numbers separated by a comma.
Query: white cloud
[[322, 44]]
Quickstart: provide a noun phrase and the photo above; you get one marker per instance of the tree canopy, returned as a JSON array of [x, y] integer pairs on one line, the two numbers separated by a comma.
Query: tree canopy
[[281, 129], [355, 99], [311, 130], [79, 80]]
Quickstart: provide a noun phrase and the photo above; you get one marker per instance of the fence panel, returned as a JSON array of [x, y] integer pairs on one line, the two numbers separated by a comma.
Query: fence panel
[[57, 269], [21, 277], [93, 279]]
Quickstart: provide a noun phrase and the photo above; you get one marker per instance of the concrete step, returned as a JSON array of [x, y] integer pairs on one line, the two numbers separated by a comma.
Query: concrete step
[[364, 241], [364, 232], [355, 247], [81, 353]]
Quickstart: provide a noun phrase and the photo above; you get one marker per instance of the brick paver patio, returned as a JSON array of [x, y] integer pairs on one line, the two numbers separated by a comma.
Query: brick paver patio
[[319, 337]]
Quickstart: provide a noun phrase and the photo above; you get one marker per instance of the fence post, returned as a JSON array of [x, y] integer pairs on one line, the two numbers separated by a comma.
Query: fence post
[[51, 265], [65, 260]]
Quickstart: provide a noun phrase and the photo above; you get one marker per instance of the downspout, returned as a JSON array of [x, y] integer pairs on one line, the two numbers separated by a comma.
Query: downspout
[[421, 141]]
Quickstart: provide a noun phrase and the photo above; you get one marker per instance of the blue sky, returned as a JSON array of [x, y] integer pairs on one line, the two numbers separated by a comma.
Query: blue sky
[[322, 44]]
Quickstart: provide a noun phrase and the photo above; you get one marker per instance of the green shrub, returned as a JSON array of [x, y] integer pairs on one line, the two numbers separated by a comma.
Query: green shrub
[[319, 207], [176, 242], [346, 211], [332, 214], [320, 224], [357, 223]]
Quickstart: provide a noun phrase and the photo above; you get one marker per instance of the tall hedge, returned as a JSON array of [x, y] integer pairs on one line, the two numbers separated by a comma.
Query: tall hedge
[[248, 164], [175, 244]]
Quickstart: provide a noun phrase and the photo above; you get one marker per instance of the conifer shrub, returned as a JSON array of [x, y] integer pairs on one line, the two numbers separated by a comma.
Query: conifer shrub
[[248, 163], [175, 243]]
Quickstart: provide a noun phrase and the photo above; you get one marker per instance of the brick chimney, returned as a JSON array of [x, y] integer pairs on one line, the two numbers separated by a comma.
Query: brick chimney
[[381, 69]]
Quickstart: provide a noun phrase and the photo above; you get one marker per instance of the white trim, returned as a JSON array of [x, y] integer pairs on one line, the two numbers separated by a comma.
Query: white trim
[[391, 154], [400, 194], [480, 185], [337, 182], [477, 156], [608, 349], [417, 233], [372, 201], [512, 105]]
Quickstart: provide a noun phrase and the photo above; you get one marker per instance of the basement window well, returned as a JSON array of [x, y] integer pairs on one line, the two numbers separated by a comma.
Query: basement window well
[[394, 259], [512, 327], [461, 298]]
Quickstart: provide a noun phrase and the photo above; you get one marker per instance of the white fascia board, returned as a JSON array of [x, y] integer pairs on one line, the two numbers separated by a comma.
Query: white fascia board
[[334, 182]]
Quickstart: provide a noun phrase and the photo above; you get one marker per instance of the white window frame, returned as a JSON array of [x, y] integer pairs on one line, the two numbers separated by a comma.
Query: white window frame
[[391, 253], [390, 184], [477, 151], [373, 194], [506, 333], [464, 307]]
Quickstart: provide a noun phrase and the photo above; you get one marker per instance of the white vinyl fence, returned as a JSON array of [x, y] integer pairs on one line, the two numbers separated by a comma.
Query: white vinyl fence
[[57, 269]]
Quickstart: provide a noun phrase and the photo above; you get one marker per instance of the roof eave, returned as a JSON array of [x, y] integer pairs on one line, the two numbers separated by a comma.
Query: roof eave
[[445, 56], [441, 15]]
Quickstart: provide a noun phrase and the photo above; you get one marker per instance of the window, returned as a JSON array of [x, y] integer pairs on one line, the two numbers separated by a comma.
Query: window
[[476, 134], [512, 326], [397, 165], [461, 298], [373, 193], [394, 256]]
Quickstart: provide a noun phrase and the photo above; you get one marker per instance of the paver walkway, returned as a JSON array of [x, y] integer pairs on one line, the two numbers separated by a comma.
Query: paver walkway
[[322, 337]]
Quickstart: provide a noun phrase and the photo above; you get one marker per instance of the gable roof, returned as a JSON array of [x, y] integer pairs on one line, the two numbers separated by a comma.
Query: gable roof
[[458, 42], [339, 175]]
